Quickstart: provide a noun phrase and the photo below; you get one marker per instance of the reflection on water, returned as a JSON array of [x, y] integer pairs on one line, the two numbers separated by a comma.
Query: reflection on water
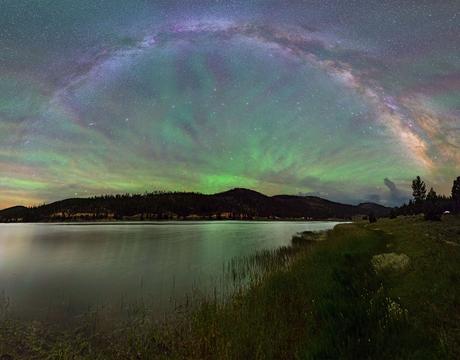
[[44, 267]]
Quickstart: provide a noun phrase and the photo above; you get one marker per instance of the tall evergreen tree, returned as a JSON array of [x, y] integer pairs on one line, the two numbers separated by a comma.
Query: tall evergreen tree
[[432, 196], [418, 190], [456, 194], [431, 207]]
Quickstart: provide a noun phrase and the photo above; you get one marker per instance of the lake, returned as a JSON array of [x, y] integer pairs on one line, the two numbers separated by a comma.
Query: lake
[[67, 268]]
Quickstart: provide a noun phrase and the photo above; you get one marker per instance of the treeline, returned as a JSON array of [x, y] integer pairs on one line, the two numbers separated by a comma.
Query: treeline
[[428, 202], [232, 204], [147, 206]]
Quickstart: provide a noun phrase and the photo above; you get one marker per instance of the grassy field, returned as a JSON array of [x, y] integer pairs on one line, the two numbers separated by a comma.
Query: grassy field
[[314, 300]]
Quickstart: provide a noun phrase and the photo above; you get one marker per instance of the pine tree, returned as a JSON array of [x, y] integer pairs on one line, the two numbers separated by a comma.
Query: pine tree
[[432, 196], [431, 207], [418, 190], [456, 194]]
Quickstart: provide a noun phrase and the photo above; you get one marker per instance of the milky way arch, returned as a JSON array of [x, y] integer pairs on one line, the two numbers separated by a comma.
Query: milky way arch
[[216, 112]]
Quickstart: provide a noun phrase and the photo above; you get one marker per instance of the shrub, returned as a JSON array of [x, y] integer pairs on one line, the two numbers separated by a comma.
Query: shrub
[[432, 215]]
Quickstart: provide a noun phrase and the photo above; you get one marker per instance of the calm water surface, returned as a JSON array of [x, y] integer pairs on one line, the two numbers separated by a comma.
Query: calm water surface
[[70, 267]]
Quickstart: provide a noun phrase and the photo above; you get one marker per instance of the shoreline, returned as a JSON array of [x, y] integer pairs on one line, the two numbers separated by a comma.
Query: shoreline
[[159, 303]]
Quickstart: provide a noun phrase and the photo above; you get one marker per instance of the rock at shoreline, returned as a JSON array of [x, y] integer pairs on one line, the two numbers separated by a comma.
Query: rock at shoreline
[[390, 261], [307, 237]]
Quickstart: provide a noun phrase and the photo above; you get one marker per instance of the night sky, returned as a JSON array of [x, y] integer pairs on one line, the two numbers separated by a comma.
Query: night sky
[[348, 100]]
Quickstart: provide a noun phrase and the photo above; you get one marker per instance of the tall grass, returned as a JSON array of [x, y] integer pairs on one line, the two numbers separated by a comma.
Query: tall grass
[[246, 271], [326, 304]]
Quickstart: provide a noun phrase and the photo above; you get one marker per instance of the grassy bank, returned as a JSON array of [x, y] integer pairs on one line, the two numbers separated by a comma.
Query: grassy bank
[[314, 300]]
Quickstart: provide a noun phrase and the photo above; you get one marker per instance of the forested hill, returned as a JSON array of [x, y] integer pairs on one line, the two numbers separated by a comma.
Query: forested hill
[[232, 204]]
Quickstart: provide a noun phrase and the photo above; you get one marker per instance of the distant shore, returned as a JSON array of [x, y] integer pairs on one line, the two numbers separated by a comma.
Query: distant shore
[[136, 221], [235, 204]]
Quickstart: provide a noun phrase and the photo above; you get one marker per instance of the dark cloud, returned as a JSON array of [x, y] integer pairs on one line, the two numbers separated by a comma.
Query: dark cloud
[[391, 185], [396, 195]]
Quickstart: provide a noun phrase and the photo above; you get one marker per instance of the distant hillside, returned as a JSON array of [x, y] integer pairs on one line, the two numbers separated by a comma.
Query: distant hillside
[[233, 204], [13, 212]]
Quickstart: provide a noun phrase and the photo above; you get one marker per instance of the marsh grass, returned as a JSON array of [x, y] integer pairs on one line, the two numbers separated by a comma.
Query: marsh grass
[[312, 300]]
